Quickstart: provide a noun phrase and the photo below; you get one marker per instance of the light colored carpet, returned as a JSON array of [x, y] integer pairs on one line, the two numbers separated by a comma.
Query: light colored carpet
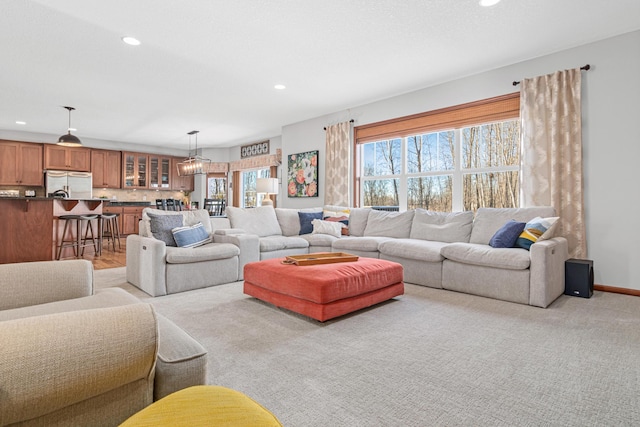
[[428, 358]]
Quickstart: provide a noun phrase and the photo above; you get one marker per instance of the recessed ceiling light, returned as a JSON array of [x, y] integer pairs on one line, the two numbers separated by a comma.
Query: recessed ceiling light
[[131, 41], [280, 87], [488, 3], [72, 129], [19, 122]]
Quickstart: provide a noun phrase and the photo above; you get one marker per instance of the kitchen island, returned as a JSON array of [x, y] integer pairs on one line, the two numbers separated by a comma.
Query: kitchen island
[[30, 229]]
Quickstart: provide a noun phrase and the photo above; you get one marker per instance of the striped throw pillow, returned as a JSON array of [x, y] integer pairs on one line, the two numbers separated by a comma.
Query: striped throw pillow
[[190, 236], [537, 229]]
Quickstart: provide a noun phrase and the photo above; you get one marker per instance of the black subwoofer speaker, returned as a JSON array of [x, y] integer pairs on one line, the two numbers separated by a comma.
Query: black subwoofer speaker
[[578, 277]]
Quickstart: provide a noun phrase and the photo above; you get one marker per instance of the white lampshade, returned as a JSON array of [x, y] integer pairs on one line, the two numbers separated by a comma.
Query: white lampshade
[[267, 185]]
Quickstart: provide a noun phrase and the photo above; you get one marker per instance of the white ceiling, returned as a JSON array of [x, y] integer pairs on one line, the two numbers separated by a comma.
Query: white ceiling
[[212, 65]]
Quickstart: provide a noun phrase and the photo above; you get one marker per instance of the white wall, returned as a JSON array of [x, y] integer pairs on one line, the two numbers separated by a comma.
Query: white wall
[[611, 141]]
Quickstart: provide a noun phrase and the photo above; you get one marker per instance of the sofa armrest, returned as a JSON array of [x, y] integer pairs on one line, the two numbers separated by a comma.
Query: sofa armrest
[[181, 363], [146, 264], [107, 352], [547, 270], [249, 245], [32, 283]]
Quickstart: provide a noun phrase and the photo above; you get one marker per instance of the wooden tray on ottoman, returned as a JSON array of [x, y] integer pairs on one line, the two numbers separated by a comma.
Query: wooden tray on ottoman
[[320, 258]]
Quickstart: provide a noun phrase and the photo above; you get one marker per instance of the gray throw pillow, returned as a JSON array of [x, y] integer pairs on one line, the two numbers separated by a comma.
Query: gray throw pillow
[[161, 226]]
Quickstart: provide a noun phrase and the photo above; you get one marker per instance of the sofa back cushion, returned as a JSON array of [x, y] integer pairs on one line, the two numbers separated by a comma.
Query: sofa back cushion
[[289, 220], [358, 221], [261, 221], [448, 227], [389, 224], [489, 220]]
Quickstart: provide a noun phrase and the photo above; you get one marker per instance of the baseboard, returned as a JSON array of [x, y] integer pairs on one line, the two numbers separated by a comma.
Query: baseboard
[[626, 291]]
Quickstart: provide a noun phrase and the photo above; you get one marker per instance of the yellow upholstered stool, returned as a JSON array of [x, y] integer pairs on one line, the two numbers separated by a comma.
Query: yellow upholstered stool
[[204, 405]]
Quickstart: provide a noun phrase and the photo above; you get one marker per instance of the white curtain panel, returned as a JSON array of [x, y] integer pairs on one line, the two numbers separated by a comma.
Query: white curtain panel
[[550, 111], [337, 164]]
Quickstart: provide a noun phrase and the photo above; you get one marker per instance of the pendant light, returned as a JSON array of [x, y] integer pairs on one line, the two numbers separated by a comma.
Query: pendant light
[[196, 164], [69, 140]]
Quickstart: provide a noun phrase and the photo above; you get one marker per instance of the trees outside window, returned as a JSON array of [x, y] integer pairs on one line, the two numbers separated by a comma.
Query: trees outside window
[[448, 170], [249, 181]]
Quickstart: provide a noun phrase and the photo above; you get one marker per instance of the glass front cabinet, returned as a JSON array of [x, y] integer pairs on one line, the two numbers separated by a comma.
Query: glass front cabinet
[[135, 170], [159, 172]]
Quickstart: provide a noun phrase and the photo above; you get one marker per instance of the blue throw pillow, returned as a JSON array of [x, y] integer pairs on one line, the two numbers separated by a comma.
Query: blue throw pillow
[[190, 237], [507, 235], [306, 227]]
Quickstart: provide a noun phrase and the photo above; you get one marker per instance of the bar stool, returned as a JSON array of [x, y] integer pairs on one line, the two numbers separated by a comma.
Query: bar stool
[[110, 230], [79, 241]]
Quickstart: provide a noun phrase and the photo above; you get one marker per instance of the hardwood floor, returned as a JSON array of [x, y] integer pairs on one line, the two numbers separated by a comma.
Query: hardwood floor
[[109, 259]]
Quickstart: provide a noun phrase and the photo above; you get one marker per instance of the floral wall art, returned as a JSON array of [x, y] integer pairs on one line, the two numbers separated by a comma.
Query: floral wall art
[[302, 179]]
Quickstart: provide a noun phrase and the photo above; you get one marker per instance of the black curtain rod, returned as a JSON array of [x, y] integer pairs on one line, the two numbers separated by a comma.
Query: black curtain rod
[[585, 68], [350, 121]]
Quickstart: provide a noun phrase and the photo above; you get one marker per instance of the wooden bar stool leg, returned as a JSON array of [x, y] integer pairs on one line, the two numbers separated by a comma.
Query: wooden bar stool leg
[[61, 243]]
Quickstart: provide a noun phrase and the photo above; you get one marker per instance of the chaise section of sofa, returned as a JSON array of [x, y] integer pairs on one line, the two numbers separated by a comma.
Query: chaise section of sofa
[[534, 276]]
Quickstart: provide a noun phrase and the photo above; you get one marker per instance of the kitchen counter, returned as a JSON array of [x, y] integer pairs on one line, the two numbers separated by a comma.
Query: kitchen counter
[[126, 203], [30, 228]]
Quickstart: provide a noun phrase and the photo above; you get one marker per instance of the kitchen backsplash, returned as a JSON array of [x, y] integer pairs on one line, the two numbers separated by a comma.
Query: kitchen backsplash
[[138, 195], [118, 194]]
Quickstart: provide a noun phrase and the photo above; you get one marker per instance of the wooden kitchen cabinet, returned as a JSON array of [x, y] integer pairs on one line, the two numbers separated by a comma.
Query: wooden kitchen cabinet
[[180, 183], [106, 168], [59, 157], [131, 216], [21, 163]]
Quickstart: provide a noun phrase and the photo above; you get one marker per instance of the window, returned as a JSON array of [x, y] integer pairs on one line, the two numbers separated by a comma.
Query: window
[[216, 186], [460, 158], [249, 180]]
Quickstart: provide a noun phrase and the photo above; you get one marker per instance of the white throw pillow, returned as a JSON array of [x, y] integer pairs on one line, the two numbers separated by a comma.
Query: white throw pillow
[[326, 227]]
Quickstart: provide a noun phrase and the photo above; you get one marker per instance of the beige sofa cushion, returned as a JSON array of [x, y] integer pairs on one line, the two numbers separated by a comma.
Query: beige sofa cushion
[[441, 226], [358, 221], [102, 351], [361, 244], [109, 297], [389, 224], [207, 252], [278, 243], [261, 221], [421, 250], [485, 255]]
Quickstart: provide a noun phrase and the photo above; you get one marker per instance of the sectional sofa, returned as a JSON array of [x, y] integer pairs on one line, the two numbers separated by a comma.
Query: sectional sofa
[[441, 250]]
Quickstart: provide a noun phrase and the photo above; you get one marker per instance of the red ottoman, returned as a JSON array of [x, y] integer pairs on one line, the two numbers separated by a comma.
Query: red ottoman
[[324, 291]]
